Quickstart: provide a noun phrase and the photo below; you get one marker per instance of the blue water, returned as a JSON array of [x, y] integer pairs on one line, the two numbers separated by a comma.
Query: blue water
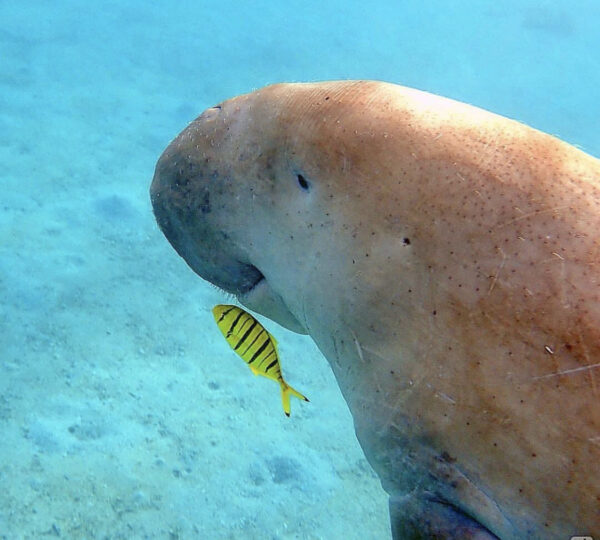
[[122, 412]]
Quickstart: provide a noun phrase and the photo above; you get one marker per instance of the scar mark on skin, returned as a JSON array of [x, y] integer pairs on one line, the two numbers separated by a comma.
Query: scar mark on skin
[[531, 214], [500, 266], [446, 397], [587, 357], [567, 371], [303, 313], [595, 440], [358, 347]]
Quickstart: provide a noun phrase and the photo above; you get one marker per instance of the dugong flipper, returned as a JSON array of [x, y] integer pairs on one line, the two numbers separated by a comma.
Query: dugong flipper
[[446, 262]]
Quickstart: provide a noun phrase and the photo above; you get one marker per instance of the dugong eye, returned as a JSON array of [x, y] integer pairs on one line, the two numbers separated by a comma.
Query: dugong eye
[[302, 182]]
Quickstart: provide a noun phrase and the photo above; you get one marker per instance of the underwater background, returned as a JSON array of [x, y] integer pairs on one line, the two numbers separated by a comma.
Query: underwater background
[[123, 412]]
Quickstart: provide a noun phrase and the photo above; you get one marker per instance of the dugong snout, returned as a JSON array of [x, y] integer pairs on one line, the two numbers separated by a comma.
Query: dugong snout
[[181, 193], [194, 199]]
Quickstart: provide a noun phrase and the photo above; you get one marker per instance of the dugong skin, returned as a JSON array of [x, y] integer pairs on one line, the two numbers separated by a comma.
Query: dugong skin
[[444, 259]]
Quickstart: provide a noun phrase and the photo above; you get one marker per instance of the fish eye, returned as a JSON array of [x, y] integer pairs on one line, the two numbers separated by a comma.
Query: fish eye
[[302, 182]]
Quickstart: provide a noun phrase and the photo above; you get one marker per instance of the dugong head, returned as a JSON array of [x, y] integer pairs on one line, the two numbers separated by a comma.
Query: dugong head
[[244, 196], [444, 260]]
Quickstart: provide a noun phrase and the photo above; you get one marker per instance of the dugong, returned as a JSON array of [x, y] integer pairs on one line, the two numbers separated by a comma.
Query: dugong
[[444, 259]]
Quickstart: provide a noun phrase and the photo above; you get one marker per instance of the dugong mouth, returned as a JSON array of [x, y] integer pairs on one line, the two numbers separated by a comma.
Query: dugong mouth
[[238, 278], [264, 300]]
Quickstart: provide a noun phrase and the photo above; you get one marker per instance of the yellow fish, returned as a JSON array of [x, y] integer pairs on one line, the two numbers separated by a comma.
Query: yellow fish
[[251, 341]]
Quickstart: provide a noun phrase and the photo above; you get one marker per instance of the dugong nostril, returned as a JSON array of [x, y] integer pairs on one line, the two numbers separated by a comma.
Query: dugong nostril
[[211, 113]]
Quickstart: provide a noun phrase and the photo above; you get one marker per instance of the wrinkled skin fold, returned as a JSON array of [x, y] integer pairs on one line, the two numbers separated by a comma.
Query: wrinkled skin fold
[[444, 259]]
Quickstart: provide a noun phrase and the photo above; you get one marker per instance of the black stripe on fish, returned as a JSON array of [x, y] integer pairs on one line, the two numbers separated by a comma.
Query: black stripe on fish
[[262, 360], [262, 330], [246, 334], [225, 313], [260, 349], [271, 365], [239, 316], [249, 319]]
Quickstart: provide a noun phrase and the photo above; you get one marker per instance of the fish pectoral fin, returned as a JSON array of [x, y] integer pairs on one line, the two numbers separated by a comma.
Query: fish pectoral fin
[[286, 392], [254, 370]]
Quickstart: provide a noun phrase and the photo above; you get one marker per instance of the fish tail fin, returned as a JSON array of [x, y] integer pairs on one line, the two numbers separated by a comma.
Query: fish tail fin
[[286, 392]]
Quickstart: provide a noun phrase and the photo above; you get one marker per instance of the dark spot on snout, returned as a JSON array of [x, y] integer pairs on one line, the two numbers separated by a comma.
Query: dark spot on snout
[[205, 202], [446, 457], [406, 241]]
